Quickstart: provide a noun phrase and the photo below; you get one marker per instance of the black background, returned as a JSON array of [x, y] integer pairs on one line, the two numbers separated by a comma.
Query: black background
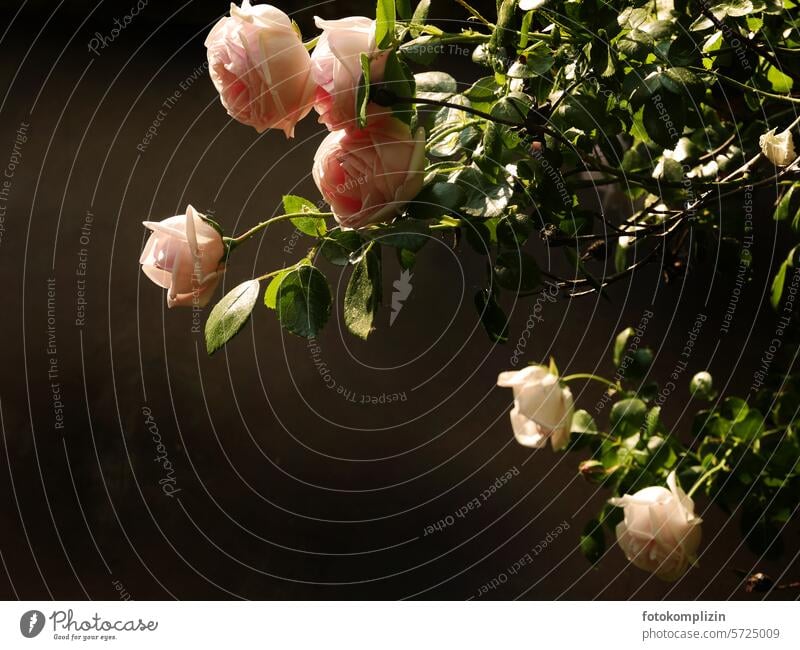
[[288, 490]]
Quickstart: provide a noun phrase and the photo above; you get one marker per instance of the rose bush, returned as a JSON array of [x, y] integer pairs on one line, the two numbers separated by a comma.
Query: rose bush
[[685, 108]]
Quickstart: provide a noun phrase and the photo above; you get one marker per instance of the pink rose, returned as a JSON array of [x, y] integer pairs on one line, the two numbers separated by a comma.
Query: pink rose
[[336, 67], [260, 68], [184, 255], [368, 175]]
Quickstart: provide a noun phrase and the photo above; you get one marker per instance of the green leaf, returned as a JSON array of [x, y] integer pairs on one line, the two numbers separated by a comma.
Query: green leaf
[[492, 316], [406, 258], [271, 294], [420, 17], [435, 200], [664, 117], [363, 294], [621, 344], [304, 301], [409, 234], [583, 423], [781, 83], [517, 271], [384, 24], [782, 211], [481, 93], [362, 94], [593, 541], [777, 285], [485, 198], [780, 277], [635, 45], [628, 417], [464, 138], [435, 85], [314, 226], [230, 314], [403, 9], [398, 79], [339, 246]]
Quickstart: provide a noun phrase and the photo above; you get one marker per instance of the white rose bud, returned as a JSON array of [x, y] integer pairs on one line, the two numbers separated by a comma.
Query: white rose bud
[[660, 532], [542, 407], [779, 148]]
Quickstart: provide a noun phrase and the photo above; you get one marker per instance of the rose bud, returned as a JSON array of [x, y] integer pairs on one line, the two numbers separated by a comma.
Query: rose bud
[[702, 386], [660, 532], [260, 68], [336, 67], [542, 407], [593, 471], [184, 255], [368, 175], [779, 149]]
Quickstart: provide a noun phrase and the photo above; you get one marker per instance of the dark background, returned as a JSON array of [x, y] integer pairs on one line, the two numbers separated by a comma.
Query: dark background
[[287, 489]]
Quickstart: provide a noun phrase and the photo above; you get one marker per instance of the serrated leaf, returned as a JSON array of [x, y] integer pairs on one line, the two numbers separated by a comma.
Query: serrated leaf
[[435, 200], [339, 246], [314, 226], [230, 314], [363, 295], [304, 301], [481, 93]]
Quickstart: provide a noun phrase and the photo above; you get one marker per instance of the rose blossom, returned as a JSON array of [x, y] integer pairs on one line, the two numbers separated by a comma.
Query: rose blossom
[[184, 255], [778, 148], [336, 67], [368, 175], [542, 407], [260, 68], [660, 532]]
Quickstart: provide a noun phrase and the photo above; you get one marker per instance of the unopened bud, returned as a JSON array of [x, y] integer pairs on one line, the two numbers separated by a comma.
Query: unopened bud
[[702, 385], [592, 470]]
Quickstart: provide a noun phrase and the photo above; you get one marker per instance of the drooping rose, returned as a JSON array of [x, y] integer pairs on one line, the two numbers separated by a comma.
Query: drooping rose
[[542, 407], [260, 68], [368, 175], [660, 532], [778, 148], [336, 67], [184, 255]]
